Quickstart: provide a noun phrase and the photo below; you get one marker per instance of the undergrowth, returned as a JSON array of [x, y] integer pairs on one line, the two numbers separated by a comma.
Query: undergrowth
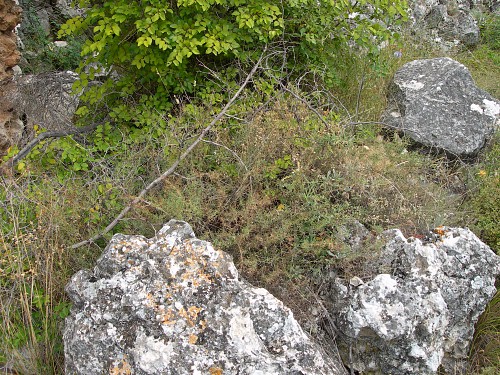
[[273, 185]]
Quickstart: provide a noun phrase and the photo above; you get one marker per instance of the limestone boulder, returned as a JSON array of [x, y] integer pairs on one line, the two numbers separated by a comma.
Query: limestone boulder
[[417, 308], [173, 304], [436, 103]]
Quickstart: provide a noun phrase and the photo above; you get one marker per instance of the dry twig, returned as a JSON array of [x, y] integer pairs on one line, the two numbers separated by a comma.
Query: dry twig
[[173, 167]]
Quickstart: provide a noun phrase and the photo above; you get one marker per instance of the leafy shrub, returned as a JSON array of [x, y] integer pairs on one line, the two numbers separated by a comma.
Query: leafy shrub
[[157, 47]]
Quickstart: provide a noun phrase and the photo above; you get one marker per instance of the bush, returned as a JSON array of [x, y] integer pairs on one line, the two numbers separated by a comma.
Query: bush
[[162, 50]]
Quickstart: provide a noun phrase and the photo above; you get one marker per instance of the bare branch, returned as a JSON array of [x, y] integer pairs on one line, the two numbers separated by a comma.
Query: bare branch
[[228, 149], [308, 106], [11, 163], [173, 167]]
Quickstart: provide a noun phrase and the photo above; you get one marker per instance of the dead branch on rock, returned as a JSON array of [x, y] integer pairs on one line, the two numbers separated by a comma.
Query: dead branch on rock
[[174, 166]]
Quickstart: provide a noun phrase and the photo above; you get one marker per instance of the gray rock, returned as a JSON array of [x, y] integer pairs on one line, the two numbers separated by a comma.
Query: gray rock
[[60, 44], [46, 100], [69, 8], [174, 305], [44, 20], [436, 103], [447, 22], [417, 311]]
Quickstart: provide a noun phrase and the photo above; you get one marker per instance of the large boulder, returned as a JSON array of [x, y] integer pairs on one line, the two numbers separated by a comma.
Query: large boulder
[[436, 103], [174, 305], [416, 306]]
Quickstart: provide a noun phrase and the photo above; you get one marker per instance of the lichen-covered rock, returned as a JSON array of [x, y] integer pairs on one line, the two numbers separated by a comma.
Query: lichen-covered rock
[[447, 23], [436, 103], [418, 310], [174, 305]]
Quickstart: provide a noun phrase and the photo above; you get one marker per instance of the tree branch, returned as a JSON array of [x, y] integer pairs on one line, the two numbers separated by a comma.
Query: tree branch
[[311, 108], [11, 163], [173, 167]]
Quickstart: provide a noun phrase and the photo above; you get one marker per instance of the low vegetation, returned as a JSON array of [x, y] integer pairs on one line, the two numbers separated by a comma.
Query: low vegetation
[[275, 184]]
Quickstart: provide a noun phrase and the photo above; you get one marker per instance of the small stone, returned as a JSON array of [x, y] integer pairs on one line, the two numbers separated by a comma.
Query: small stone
[[60, 43], [356, 281]]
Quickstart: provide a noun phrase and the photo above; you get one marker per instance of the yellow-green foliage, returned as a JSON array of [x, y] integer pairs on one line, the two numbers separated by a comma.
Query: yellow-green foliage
[[161, 48]]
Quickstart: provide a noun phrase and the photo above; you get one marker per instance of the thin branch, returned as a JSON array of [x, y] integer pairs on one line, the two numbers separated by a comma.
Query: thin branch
[[358, 97], [308, 105], [173, 167], [9, 164], [229, 150]]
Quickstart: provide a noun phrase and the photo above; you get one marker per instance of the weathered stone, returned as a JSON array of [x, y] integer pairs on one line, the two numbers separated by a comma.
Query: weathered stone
[[60, 44], [447, 22], [47, 100], [43, 19], [436, 103], [10, 16], [68, 8], [417, 310], [174, 305]]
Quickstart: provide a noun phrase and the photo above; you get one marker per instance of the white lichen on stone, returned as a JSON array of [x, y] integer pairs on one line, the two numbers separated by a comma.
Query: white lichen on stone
[[175, 305]]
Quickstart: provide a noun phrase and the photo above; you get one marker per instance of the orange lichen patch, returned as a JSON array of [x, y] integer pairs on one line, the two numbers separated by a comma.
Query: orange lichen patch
[[215, 371], [440, 231], [150, 301], [190, 315], [123, 368], [203, 325], [168, 317], [193, 339], [197, 277], [168, 296]]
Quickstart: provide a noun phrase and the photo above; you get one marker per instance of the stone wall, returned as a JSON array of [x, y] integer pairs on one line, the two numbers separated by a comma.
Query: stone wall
[[11, 126]]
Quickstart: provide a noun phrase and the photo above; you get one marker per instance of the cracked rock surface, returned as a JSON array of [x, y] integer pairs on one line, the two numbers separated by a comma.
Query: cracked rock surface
[[173, 304], [436, 103], [417, 312]]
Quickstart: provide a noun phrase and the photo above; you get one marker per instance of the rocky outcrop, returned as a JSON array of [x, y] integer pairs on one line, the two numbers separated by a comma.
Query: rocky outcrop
[[174, 305], [10, 126], [447, 22], [416, 312], [10, 17], [436, 103]]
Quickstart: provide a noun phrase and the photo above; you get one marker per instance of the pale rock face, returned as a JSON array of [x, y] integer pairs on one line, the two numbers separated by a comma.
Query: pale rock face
[[446, 22], [436, 103], [418, 310], [173, 304]]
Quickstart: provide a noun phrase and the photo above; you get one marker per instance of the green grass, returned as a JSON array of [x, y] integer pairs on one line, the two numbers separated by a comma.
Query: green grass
[[276, 195]]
